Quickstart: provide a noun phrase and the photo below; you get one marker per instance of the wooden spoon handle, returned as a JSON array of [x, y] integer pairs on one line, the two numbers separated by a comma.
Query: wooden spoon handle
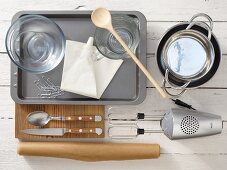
[[90, 151], [139, 64]]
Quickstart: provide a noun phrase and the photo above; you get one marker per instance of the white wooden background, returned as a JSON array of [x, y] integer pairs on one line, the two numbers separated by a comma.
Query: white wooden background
[[202, 153]]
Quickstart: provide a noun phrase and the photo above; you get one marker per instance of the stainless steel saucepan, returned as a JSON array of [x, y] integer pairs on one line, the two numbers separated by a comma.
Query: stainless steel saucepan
[[188, 55]]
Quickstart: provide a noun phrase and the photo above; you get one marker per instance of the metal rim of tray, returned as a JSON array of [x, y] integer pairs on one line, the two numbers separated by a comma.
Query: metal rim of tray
[[141, 83]]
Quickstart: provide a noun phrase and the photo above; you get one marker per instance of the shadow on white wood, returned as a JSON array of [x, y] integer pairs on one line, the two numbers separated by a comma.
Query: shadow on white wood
[[217, 81], [161, 10], [155, 31]]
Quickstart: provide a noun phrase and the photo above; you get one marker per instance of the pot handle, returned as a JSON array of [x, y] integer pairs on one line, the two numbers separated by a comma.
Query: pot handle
[[182, 88], [208, 27], [205, 16]]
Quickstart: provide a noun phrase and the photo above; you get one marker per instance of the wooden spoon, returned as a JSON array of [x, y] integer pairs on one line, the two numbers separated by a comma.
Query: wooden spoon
[[101, 17]]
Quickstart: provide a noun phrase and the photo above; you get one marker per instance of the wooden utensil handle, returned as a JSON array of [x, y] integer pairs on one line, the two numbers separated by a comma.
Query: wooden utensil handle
[[84, 118], [82, 130], [139, 64], [89, 151]]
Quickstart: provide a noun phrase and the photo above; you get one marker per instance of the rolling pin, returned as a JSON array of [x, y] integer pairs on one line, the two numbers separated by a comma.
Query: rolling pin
[[90, 151]]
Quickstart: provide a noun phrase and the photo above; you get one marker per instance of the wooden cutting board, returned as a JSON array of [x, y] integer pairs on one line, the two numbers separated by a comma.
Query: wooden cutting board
[[21, 112]]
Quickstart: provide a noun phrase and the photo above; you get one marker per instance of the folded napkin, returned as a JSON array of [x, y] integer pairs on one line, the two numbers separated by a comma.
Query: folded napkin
[[86, 71]]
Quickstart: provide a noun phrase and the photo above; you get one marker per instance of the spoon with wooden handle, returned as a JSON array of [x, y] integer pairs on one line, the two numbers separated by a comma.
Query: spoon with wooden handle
[[101, 17], [41, 118]]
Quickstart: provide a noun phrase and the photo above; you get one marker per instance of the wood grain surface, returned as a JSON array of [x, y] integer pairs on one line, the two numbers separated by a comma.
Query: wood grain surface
[[21, 112]]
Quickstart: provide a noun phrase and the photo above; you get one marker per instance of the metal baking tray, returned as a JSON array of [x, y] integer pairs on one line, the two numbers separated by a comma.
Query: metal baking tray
[[127, 87]]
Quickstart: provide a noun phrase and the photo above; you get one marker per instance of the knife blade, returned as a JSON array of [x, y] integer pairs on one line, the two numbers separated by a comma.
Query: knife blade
[[61, 131]]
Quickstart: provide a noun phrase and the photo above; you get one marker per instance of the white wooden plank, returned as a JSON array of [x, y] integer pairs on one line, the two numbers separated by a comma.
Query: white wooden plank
[[207, 100], [161, 10], [6, 104], [212, 100], [155, 31], [213, 145], [4, 70], [210, 144], [4, 26], [155, 105], [169, 161], [217, 81], [10, 160]]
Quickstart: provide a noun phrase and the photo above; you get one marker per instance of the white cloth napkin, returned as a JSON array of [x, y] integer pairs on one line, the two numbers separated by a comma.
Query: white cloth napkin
[[86, 71]]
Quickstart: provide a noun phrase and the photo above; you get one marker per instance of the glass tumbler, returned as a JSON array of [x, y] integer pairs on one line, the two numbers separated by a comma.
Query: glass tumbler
[[35, 43], [128, 29]]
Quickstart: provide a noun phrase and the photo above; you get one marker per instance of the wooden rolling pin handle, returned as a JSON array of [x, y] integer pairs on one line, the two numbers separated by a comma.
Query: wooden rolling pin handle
[[90, 151]]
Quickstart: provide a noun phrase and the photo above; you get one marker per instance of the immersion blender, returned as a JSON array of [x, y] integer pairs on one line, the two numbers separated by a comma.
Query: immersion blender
[[176, 124]]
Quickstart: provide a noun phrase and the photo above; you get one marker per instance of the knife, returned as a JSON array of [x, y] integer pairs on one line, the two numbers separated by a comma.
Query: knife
[[62, 131]]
